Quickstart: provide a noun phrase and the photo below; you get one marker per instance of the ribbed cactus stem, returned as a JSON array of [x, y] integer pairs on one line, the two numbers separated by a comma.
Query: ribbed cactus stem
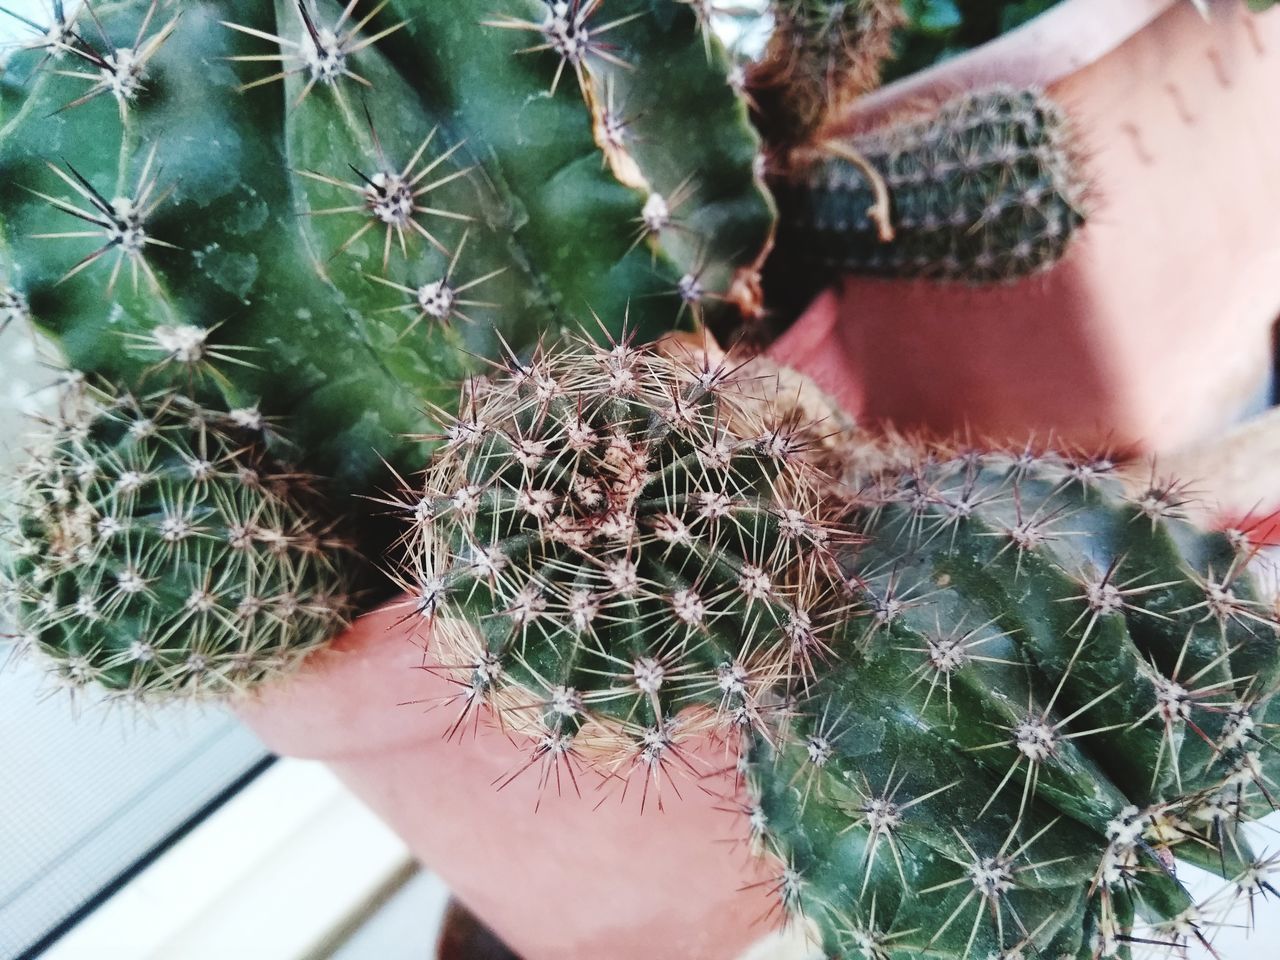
[[987, 189], [1052, 687]]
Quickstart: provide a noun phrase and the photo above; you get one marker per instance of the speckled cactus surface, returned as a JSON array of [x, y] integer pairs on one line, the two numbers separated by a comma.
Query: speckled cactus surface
[[987, 188]]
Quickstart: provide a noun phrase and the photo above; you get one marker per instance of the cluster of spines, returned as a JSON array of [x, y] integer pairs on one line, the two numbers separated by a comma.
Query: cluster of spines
[[821, 55], [1053, 686], [157, 551], [609, 535], [986, 189]]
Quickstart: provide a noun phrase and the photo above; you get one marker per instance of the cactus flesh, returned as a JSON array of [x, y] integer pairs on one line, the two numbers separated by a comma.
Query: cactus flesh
[[159, 551]]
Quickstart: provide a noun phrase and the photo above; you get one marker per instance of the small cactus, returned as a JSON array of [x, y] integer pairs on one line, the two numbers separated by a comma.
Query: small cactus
[[161, 553], [986, 189], [610, 535]]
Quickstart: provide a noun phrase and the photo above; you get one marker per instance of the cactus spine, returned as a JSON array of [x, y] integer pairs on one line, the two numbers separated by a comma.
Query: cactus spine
[[1054, 687], [160, 552]]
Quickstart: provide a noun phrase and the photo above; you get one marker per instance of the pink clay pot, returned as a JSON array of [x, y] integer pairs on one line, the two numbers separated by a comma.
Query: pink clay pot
[[1155, 330], [557, 877], [1237, 476]]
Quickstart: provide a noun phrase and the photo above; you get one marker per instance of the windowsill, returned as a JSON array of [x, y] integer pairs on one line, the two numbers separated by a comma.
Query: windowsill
[[287, 869]]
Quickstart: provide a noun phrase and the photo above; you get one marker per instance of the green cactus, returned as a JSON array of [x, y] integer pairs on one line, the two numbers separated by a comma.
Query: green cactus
[[331, 212], [1054, 687], [348, 203], [986, 189], [609, 535], [1021, 693], [159, 552]]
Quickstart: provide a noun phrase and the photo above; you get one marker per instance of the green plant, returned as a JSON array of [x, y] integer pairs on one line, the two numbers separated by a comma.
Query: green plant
[[348, 203], [985, 189], [156, 549], [985, 711], [332, 212]]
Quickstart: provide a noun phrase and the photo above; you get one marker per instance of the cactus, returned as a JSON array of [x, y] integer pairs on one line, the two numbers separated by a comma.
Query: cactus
[[330, 212], [988, 729], [1052, 688], [986, 189], [821, 55], [348, 203], [160, 552], [609, 535], [982, 703]]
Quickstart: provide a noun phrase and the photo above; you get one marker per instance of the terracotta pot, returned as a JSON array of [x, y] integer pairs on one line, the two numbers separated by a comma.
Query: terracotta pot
[[1155, 329], [557, 877]]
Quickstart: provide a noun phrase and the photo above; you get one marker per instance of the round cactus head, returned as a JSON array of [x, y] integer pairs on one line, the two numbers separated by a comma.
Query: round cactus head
[[153, 547], [609, 535]]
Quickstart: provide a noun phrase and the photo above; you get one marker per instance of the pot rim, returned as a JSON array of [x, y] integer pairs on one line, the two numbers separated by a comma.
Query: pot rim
[[1057, 43]]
